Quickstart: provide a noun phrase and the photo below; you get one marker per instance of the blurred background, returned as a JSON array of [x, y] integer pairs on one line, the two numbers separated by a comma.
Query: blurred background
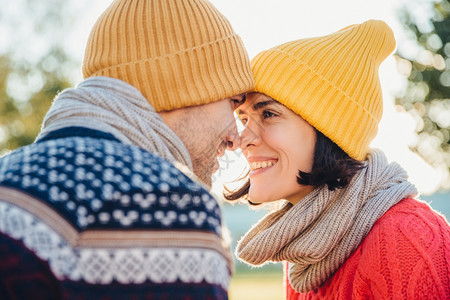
[[42, 46]]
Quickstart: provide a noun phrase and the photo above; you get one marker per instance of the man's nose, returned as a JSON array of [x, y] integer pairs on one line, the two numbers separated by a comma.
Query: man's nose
[[233, 139]]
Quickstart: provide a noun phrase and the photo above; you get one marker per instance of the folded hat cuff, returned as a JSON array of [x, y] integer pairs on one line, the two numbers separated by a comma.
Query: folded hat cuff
[[194, 76]]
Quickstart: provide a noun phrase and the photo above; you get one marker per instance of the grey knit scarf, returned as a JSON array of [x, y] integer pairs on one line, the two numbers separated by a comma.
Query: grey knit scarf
[[320, 232], [115, 107]]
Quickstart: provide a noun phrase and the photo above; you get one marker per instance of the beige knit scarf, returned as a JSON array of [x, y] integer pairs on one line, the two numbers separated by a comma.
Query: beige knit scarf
[[319, 233], [115, 107]]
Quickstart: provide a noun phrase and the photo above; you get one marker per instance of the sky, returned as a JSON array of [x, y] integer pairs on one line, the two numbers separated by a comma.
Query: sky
[[263, 24]]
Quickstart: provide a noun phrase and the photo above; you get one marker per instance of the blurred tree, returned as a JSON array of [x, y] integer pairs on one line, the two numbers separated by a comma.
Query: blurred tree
[[426, 64], [21, 117], [34, 67]]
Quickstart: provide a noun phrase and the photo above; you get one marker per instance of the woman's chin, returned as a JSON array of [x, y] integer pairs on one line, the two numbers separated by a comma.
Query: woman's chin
[[259, 197]]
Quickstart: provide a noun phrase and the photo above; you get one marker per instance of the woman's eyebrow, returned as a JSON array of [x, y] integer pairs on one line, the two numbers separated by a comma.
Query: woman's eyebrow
[[258, 105], [262, 104]]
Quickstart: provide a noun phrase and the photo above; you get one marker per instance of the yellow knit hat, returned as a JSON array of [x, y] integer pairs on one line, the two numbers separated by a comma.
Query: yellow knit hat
[[331, 81], [176, 52]]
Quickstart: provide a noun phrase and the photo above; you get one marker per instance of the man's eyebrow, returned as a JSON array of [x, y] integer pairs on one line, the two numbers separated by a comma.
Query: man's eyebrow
[[257, 106]]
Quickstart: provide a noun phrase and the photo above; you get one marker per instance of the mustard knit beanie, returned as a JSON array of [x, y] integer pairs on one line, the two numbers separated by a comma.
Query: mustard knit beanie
[[331, 81], [177, 53]]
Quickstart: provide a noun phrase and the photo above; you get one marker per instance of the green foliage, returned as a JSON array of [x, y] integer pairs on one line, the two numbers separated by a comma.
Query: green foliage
[[21, 118], [34, 68], [426, 64]]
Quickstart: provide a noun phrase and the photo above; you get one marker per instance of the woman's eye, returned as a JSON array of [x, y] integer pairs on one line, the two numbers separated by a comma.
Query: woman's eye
[[243, 121], [268, 114]]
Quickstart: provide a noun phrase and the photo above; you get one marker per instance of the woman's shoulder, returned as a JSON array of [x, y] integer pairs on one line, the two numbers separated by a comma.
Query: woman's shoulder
[[411, 217], [411, 224], [408, 246], [406, 254], [411, 228]]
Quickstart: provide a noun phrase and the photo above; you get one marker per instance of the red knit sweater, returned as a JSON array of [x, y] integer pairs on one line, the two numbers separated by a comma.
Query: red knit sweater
[[406, 255]]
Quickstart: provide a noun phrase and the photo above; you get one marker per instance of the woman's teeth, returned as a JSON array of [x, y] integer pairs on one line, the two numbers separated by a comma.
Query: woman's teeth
[[261, 164]]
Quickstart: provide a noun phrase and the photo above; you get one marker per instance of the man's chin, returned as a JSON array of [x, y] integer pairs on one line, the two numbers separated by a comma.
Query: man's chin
[[216, 166], [205, 174], [208, 172]]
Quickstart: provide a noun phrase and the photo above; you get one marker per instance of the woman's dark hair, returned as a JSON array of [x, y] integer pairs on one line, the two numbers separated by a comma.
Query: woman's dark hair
[[331, 166]]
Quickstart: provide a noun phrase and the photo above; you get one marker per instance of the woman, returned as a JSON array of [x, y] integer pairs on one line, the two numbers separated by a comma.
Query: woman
[[350, 227]]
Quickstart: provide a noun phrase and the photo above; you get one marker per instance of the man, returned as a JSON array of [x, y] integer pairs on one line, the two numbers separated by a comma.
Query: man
[[103, 205]]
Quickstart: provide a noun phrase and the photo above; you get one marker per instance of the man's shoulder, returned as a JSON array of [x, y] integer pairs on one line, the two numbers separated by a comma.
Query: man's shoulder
[[113, 184], [109, 215]]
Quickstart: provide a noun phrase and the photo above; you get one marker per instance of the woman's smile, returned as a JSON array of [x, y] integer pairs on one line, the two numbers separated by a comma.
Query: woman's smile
[[257, 166]]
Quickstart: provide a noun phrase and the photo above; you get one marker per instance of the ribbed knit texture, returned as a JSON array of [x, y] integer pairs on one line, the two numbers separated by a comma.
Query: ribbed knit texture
[[176, 52], [320, 232], [331, 81], [406, 255], [115, 107]]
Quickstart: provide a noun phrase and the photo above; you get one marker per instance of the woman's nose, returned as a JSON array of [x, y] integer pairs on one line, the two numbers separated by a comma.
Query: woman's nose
[[250, 136]]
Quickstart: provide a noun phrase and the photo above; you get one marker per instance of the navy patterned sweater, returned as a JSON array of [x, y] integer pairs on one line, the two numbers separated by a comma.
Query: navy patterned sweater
[[84, 216]]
